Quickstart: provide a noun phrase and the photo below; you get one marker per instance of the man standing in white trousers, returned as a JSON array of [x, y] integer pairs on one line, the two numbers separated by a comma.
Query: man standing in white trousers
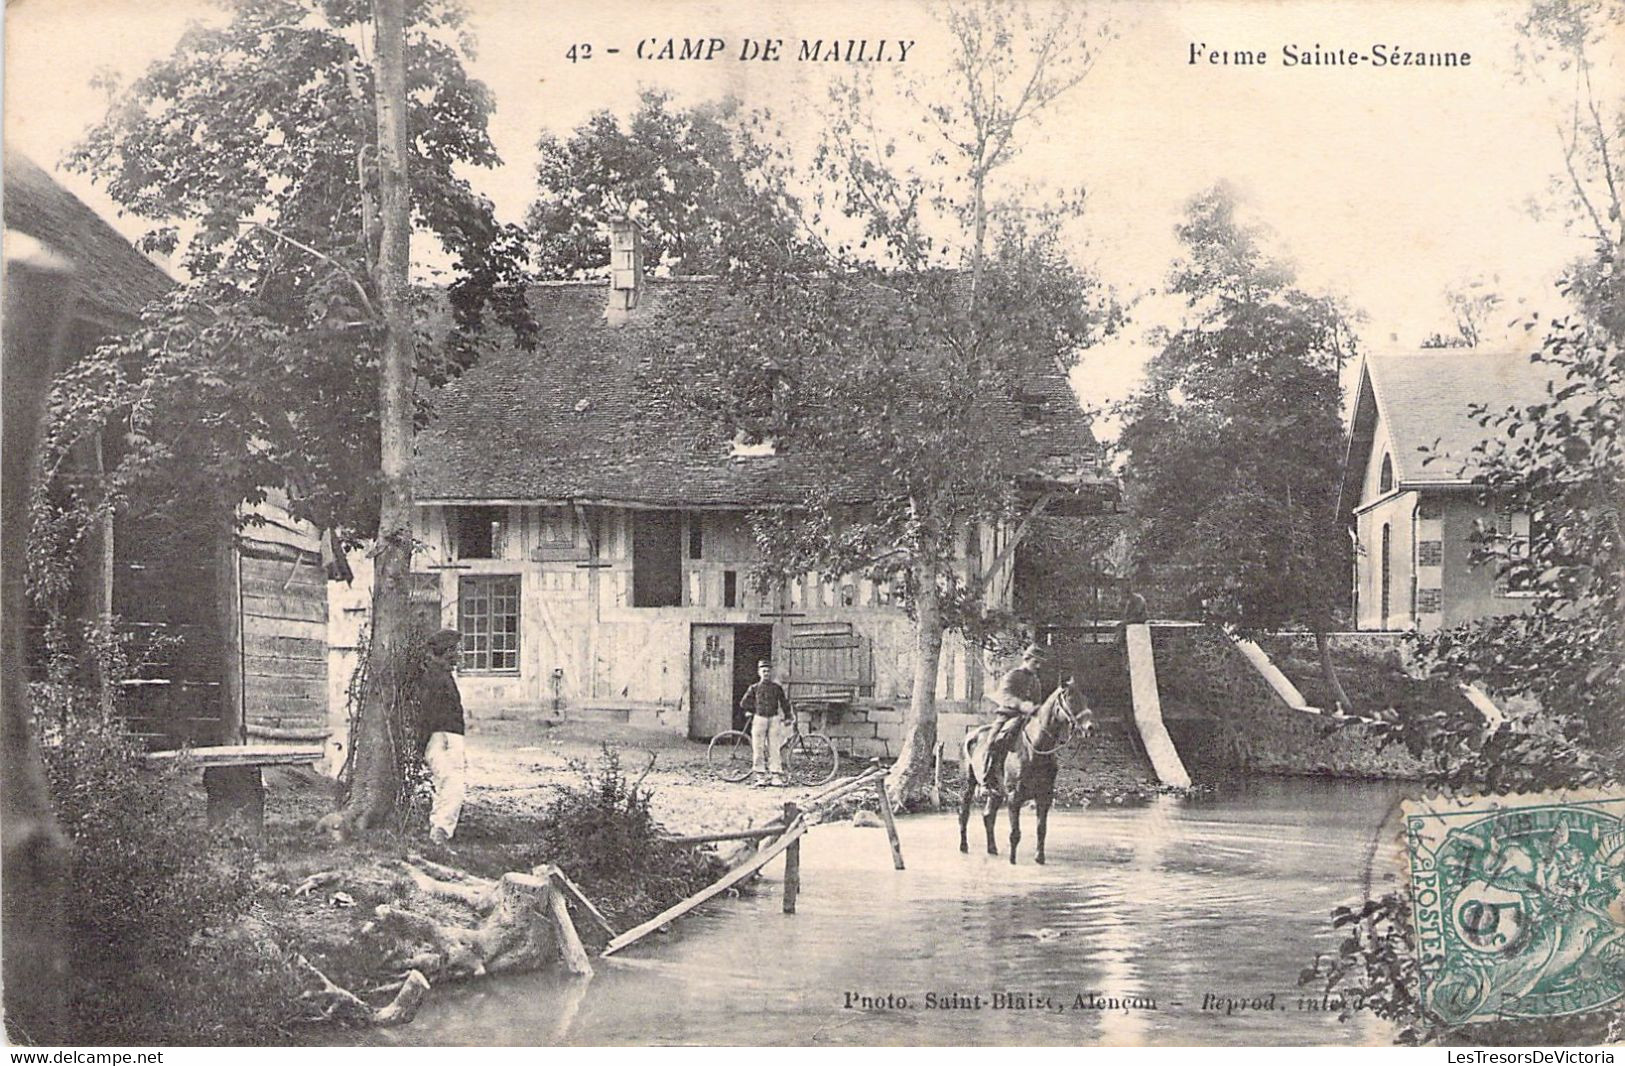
[[767, 701], [442, 709]]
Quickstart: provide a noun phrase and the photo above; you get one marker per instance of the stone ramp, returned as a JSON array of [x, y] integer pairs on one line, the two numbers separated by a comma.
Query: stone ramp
[[1159, 746]]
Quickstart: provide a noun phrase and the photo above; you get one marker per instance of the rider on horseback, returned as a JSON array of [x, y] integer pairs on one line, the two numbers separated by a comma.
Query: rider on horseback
[[1019, 694]]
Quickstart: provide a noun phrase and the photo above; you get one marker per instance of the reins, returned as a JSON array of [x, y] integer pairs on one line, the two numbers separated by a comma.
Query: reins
[[1065, 708]]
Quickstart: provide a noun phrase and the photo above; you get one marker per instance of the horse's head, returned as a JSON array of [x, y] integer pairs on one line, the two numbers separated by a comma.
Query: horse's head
[[1068, 704]]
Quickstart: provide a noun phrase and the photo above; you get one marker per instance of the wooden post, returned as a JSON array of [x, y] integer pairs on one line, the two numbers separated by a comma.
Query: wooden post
[[792, 863], [570, 949], [936, 777], [891, 824], [733, 877]]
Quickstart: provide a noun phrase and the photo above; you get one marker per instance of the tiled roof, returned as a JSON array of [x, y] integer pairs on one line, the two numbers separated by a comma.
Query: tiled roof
[[1424, 399], [572, 421], [112, 276]]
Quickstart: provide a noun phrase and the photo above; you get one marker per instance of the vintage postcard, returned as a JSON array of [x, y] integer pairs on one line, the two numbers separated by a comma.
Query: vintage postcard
[[980, 522]]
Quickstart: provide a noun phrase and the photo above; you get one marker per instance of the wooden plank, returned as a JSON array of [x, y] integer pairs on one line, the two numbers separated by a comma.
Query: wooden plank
[[278, 581], [290, 605], [260, 625], [278, 646], [290, 686], [562, 880], [575, 956], [284, 665], [733, 877], [257, 731], [891, 823], [240, 755], [760, 833]]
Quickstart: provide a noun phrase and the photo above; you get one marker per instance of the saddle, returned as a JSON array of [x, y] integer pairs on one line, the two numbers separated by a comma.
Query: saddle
[[980, 742]]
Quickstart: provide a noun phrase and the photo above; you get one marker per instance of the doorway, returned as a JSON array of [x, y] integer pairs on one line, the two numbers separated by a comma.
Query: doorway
[[752, 644], [721, 666]]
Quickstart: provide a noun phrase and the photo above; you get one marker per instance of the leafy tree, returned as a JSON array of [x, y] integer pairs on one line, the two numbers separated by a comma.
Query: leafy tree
[[1234, 440], [689, 177], [1471, 304], [904, 395], [1560, 460], [275, 156]]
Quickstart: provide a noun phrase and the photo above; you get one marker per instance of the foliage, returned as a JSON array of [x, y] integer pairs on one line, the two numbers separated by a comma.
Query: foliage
[[150, 892], [1561, 462], [901, 362], [252, 147], [404, 718], [602, 834], [1234, 440], [1471, 304], [696, 181]]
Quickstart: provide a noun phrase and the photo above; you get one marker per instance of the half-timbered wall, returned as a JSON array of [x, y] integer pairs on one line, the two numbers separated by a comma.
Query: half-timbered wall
[[582, 642]]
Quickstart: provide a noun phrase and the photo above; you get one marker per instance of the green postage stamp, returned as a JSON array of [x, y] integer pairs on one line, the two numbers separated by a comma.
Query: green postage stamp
[[1519, 904]]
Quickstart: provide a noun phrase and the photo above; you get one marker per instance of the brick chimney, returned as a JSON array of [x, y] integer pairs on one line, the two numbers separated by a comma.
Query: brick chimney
[[625, 268]]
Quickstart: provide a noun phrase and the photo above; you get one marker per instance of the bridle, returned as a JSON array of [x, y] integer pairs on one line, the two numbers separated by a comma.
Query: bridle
[[1061, 698]]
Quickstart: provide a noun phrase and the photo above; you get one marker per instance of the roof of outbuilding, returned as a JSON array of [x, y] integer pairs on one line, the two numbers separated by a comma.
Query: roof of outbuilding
[[572, 421], [1424, 398], [112, 276]]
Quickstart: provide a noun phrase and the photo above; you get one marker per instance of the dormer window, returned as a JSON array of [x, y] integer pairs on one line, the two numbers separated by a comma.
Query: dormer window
[[1385, 480]]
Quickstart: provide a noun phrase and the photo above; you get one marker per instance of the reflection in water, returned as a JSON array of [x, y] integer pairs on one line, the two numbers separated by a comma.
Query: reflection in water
[[1196, 905]]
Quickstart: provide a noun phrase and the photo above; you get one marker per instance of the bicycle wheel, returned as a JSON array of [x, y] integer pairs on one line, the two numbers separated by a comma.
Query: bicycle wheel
[[729, 756], [810, 759]]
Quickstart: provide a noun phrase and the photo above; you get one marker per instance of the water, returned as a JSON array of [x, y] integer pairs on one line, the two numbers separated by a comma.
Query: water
[[1174, 902]]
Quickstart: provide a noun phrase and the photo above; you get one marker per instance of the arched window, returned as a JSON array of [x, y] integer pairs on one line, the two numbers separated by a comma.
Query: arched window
[[1386, 478], [1387, 570]]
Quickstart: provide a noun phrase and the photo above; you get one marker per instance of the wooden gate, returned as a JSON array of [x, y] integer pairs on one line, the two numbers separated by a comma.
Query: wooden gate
[[711, 681]]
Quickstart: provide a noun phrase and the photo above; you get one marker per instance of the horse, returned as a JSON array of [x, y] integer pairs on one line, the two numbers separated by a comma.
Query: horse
[[1029, 766]]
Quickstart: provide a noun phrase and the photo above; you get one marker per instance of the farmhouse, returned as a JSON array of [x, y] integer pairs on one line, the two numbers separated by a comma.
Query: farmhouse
[[227, 625], [591, 540], [1413, 517]]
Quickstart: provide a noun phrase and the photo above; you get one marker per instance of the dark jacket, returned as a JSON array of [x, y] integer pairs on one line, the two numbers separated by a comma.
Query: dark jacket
[[440, 704], [766, 699]]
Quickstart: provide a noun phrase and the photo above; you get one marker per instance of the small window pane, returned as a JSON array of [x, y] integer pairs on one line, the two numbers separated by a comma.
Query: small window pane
[[488, 618]]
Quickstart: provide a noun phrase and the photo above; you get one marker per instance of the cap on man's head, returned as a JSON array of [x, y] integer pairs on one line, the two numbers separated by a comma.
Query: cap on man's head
[[445, 640], [760, 663], [1036, 651]]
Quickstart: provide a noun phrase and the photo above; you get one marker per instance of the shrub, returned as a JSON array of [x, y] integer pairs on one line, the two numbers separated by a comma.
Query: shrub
[[601, 833], [148, 891]]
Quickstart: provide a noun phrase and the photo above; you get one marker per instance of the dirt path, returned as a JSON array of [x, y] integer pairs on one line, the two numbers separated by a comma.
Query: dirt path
[[514, 767]]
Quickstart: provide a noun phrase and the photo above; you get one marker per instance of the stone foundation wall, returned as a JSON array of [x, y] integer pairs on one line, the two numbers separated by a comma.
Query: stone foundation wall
[[1226, 720]]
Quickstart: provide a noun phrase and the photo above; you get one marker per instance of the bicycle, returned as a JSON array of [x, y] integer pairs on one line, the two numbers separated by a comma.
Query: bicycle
[[809, 757]]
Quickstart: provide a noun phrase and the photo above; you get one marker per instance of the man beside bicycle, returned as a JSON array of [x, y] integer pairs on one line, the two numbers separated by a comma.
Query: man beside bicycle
[[771, 718]]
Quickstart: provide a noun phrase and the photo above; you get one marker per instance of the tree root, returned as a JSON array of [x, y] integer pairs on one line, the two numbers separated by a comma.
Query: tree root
[[520, 930], [432, 880], [341, 1002]]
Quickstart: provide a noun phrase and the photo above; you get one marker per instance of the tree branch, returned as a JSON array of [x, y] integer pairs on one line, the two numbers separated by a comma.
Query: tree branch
[[360, 290]]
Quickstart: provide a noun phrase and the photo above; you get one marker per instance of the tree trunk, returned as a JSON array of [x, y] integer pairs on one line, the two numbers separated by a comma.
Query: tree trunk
[[35, 856], [229, 623], [375, 786], [911, 775], [1328, 670]]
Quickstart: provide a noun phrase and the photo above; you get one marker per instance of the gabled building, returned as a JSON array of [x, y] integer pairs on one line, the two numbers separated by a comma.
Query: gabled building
[[591, 541], [229, 634], [1407, 491]]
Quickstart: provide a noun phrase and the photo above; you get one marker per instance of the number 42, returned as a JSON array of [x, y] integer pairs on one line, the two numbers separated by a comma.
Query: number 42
[[579, 52]]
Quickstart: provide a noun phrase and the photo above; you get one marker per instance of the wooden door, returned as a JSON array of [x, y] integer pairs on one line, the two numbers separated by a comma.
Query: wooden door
[[711, 681]]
